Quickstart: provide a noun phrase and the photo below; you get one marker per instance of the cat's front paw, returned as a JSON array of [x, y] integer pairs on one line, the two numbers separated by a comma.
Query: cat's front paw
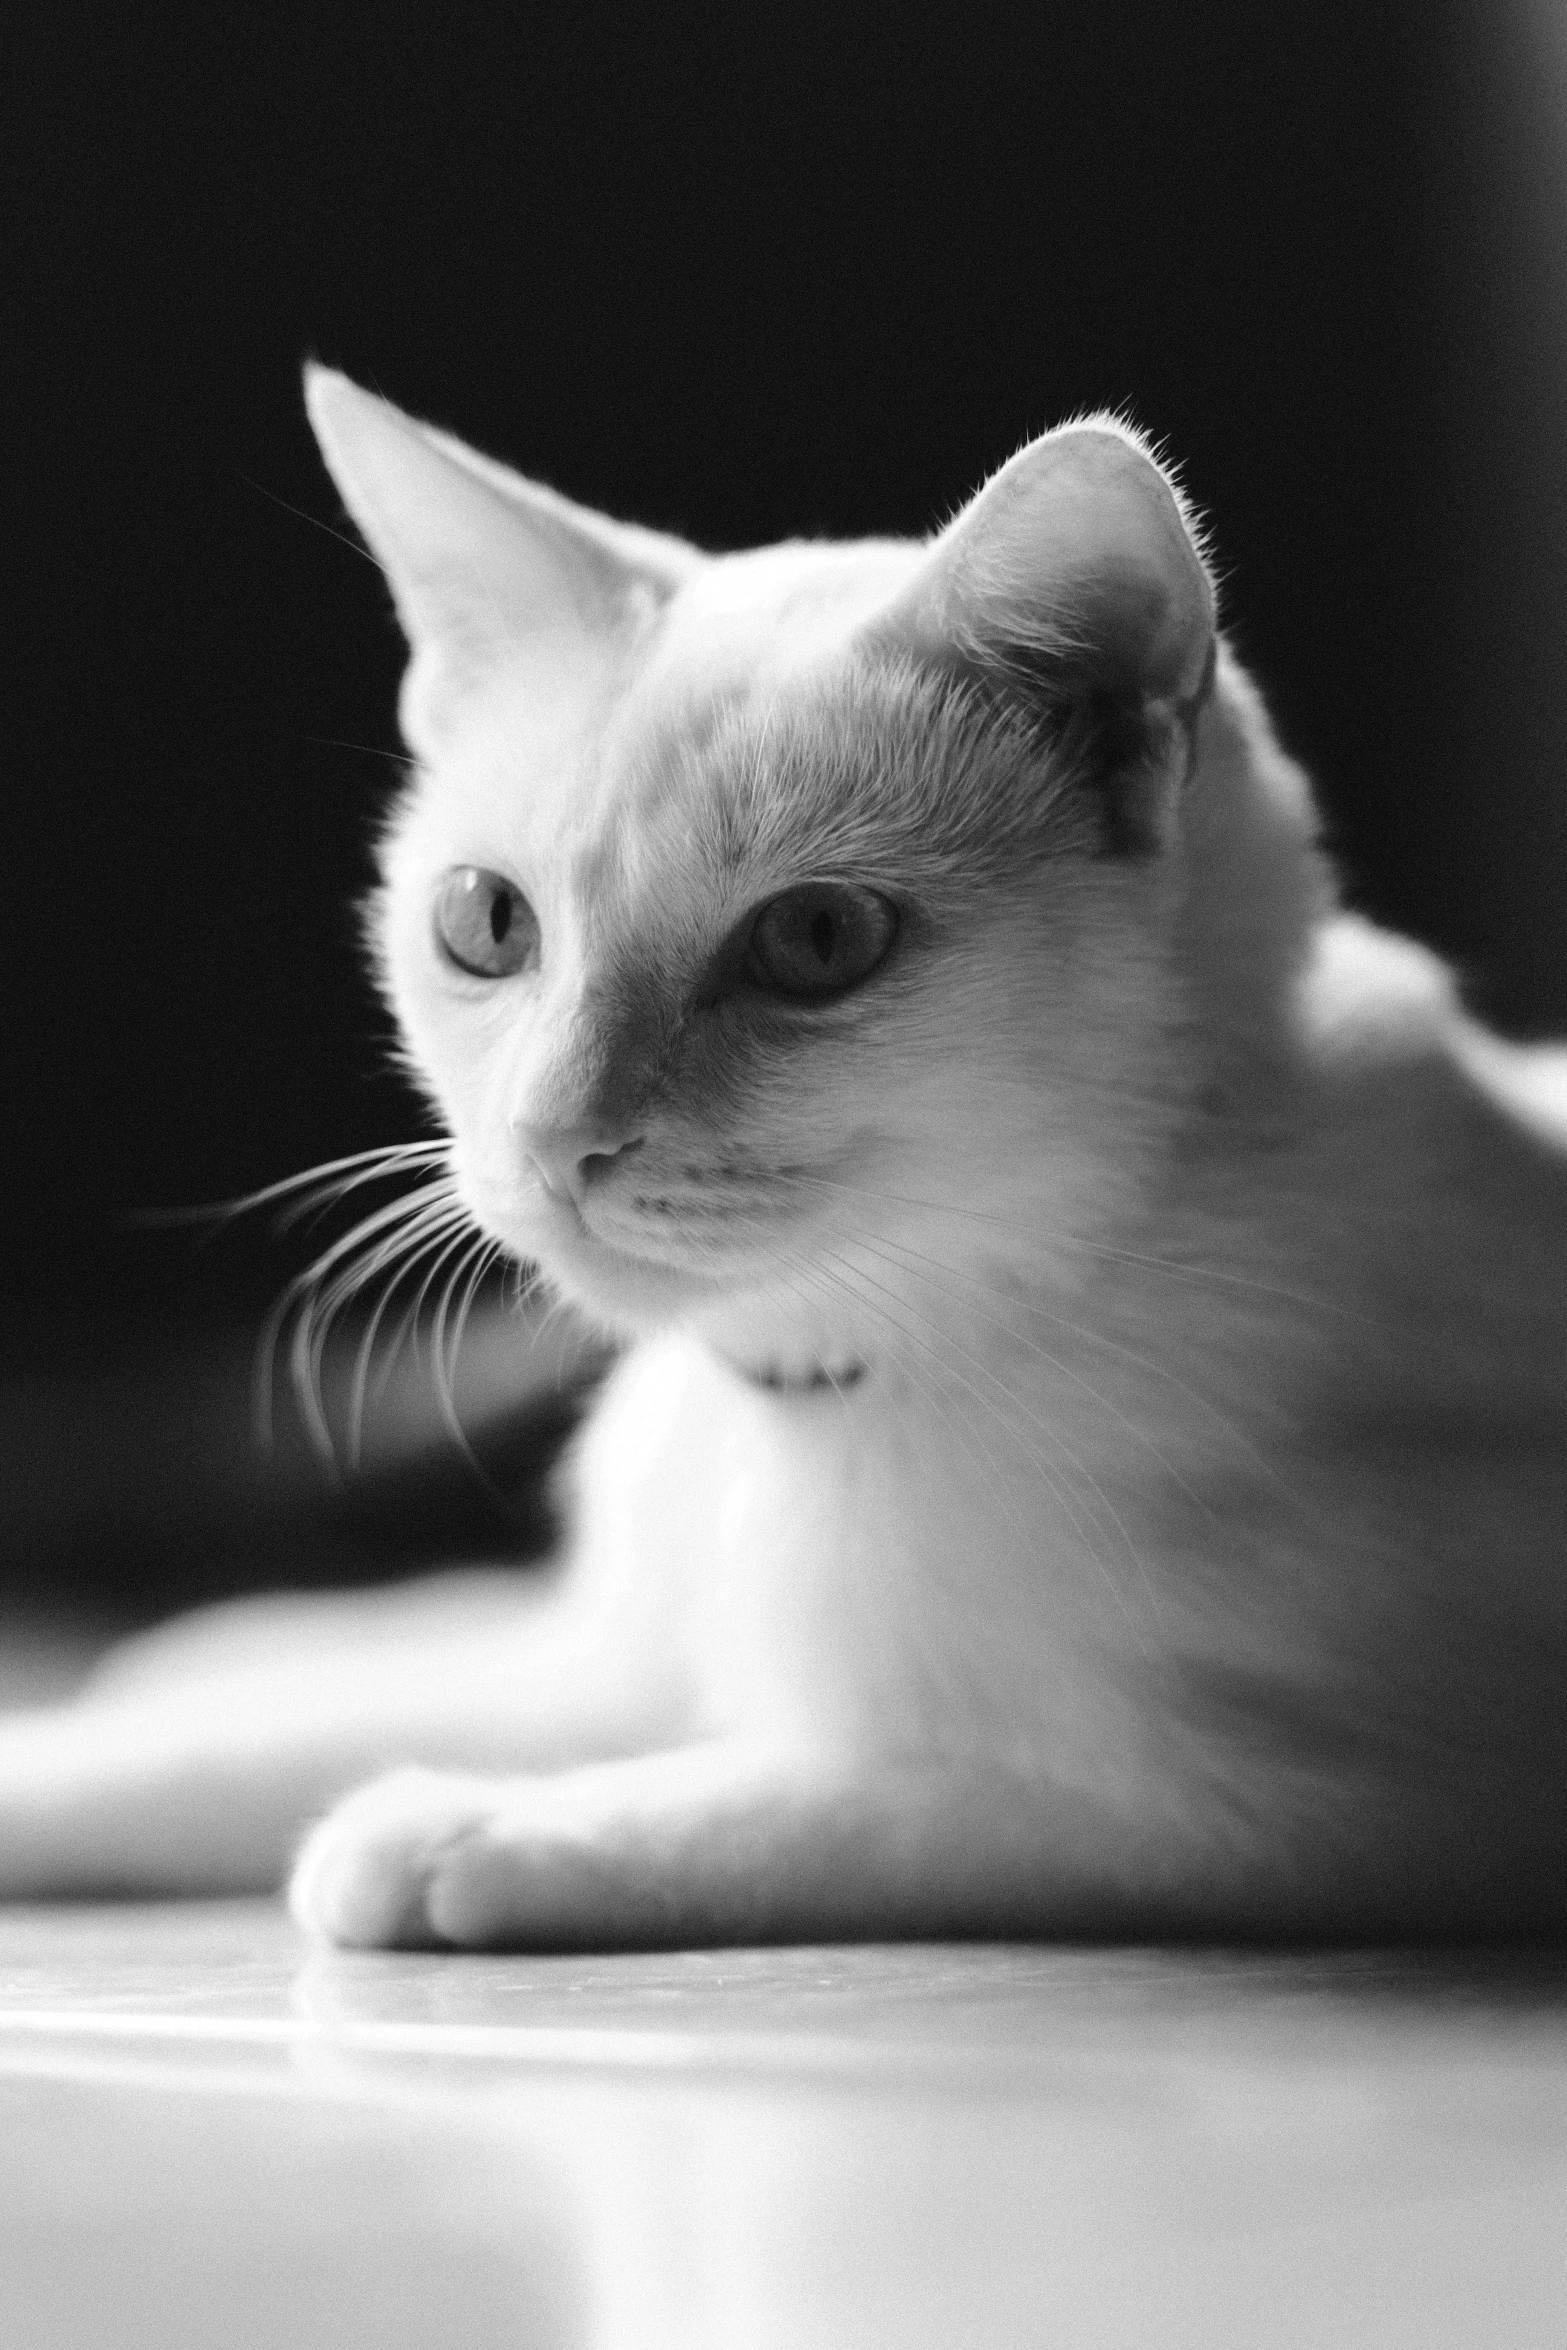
[[621, 1855], [364, 1876]]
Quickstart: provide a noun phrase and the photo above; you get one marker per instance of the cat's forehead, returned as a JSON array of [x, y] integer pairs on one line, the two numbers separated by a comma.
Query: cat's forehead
[[771, 608], [746, 638], [707, 736]]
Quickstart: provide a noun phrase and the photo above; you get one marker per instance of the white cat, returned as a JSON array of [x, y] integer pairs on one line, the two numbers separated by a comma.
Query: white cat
[[1090, 1456]]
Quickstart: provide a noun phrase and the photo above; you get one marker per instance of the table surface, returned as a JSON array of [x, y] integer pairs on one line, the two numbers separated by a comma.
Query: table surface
[[212, 2133]]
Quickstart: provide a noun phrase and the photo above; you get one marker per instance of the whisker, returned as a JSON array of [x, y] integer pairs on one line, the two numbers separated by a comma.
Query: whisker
[[314, 520], [408, 1325], [404, 1249], [443, 1352], [484, 1257], [1159, 1371], [481, 1247], [332, 742], [378, 1165], [298, 1296], [1176, 1267], [1255, 1458], [1055, 1363], [798, 1293], [434, 1234]]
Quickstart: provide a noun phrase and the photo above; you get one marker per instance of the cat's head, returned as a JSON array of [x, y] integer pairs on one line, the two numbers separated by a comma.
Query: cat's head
[[771, 929]]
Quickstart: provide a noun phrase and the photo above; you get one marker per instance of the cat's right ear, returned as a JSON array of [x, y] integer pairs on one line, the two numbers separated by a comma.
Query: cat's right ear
[[487, 570]]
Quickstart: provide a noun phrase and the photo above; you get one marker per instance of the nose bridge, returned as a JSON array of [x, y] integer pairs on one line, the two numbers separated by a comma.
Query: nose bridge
[[587, 1067]]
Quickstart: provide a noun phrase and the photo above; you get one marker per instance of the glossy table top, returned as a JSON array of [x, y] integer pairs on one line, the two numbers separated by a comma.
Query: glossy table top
[[210, 2134]]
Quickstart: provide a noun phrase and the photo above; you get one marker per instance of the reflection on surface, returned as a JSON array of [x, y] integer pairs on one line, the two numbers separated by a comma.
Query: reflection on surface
[[718, 2150]]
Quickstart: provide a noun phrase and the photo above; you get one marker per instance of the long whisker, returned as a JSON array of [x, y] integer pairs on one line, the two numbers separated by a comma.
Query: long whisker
[[423, 1228], [404, 1249], [443, 1353], [309, 1207], [1173, 1266], [471, 1265], [408, 1324], [1140, 1361], [1154, 1368], [299, 1295], [484, 1256], [909, 1260], [299, 514], [800, 1266], [524, 1280], [434, 1235], [358, 1167], [332, 742]]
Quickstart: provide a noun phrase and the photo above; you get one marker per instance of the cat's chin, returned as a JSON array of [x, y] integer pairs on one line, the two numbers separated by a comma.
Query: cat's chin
[[626, 1294], [729, 1307]]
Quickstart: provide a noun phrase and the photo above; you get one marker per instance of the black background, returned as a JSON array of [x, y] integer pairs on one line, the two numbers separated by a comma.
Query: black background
[[740, 273]]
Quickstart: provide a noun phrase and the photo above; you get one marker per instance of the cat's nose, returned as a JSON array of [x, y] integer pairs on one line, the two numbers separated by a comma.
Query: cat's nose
[[570, 1159]]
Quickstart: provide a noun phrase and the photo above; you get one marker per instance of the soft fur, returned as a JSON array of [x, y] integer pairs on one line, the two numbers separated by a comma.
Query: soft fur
[[1088, 1454]]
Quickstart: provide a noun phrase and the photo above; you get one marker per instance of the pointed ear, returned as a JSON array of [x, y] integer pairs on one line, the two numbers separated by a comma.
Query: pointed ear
[[1073, 582], [485, 568]]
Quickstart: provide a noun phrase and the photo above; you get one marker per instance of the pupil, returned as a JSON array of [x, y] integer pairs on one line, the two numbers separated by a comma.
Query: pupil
[[500, 915], [822, 930]]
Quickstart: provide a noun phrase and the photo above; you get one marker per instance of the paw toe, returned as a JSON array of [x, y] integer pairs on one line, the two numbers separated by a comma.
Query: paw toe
[[363, 1877], [471, 1897]]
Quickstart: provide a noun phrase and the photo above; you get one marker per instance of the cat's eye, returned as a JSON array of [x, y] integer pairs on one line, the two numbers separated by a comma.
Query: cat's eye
[[484, 924], [821, 939]]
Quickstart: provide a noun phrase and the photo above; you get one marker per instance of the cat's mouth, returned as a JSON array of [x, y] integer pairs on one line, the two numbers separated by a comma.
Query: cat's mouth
[[637, 1263], [726, 1244], [695, 1222]]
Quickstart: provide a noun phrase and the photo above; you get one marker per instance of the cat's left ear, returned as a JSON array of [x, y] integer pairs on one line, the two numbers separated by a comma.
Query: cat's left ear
[[1073, 583], [487, 569]]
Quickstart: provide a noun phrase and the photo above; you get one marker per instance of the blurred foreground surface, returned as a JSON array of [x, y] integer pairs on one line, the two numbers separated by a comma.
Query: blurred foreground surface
[[209, 2132]]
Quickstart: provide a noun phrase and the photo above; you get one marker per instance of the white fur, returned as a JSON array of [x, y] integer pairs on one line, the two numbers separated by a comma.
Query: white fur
[[1172, 1537]]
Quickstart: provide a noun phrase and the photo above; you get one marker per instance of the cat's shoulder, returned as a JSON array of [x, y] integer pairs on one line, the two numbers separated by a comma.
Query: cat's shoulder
[[1527, 1082], [1374, 1005]]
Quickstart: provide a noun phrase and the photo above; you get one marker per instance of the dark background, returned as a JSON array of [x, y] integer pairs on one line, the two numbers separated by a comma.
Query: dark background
[[740, 273]]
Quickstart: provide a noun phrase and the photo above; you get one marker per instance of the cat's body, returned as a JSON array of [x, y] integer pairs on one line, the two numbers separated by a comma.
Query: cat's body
[[1093, 1455]]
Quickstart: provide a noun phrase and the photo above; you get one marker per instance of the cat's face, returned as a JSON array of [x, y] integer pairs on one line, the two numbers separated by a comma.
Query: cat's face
[[759, 958]]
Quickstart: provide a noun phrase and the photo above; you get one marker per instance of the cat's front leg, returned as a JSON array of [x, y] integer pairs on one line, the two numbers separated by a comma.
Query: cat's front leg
[[199, 1773], [717, 1843]]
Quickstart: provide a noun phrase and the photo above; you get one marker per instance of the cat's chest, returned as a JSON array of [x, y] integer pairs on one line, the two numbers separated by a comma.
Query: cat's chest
[[900, 1547]]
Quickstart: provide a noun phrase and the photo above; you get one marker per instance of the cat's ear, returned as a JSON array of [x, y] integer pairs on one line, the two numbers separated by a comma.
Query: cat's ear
[[485, 568], [1073, 583]]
